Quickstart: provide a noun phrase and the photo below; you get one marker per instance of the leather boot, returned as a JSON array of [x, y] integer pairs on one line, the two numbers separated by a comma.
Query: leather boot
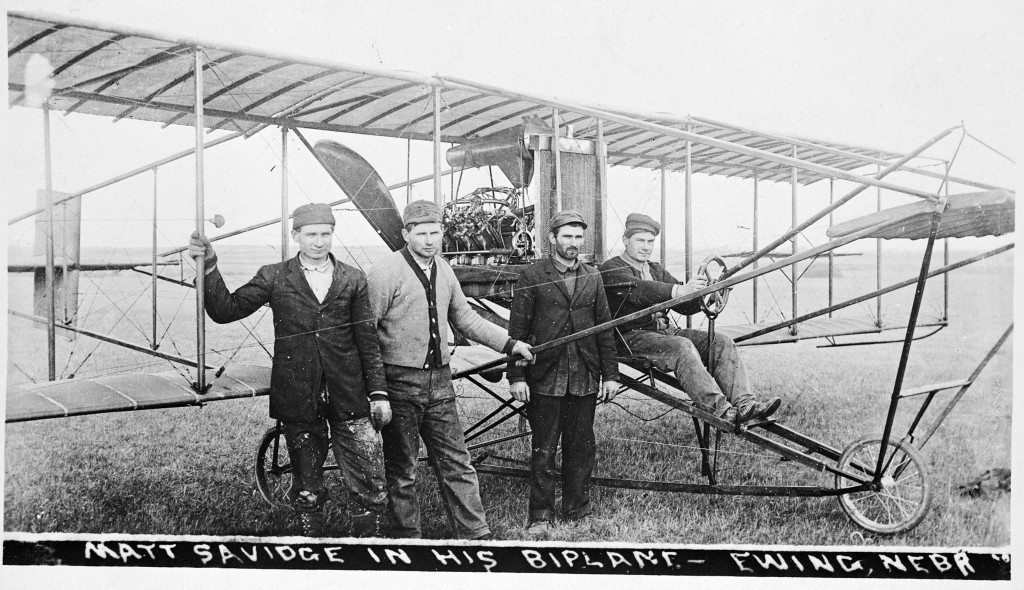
[[755, 409], [312, 524], [366, 524]]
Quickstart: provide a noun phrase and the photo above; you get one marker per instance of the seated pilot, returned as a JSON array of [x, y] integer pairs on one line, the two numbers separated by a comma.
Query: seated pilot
[[633, 283]]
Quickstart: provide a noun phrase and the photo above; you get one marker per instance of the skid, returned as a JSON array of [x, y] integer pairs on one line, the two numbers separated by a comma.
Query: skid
[[683, 487], [803, 449]]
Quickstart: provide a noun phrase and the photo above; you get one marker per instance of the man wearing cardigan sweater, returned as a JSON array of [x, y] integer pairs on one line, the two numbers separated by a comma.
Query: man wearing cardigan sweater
[[634, 283], [414, 295], [327, 384]]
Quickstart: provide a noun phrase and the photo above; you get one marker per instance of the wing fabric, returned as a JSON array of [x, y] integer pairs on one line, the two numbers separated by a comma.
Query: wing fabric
[[122, 393]]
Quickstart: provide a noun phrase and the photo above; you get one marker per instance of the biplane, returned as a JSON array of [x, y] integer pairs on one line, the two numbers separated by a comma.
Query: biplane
[[554, 154]]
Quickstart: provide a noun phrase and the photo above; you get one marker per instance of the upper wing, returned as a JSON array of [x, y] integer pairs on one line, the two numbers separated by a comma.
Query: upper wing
[[124, 73]]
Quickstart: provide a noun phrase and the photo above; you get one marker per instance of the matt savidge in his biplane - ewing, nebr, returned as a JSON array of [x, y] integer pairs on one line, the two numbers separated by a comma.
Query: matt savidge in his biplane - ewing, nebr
[[327, 384]]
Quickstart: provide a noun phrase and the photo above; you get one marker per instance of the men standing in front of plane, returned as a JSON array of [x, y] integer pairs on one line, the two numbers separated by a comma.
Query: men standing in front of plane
[[414, 295], [327, 384], [554, 298]]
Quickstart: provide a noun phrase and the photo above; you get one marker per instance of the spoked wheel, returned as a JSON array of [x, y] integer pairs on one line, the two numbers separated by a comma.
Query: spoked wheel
[[714, 303], [903, 495], [272, 468]]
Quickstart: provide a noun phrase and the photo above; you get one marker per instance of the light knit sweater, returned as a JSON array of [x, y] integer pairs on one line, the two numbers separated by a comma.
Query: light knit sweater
[[399, 303]]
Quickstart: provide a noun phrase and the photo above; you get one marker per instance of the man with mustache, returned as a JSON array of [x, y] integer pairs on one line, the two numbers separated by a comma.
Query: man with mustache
[[634, 283], [415, 294], [553, 298]]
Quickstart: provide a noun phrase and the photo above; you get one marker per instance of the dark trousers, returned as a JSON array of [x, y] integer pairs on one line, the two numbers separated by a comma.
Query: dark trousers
[[357, 449], [571, 419], [423, 405]]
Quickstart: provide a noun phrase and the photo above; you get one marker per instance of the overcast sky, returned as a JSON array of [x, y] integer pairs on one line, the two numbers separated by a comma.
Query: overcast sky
[[877, 74]]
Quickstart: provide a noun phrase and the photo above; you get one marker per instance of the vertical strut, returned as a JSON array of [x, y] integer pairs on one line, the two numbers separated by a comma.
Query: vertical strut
[[945, 262], [51, 309], [753, 282], [558, 159], [408, 171], [878, 259], [284, 193], [600, 248], [438, 198], [153, 287], [664, 221], [794, 244], [688, 218], [200, 384], [831, 253]]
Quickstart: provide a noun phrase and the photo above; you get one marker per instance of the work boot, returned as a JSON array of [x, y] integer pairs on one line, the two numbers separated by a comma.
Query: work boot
[[312, 524], [754, 409], [366, 524], [729, 415], [538, 529]]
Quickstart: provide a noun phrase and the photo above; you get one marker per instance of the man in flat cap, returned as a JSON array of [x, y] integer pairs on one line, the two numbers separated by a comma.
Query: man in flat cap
[[327, 383], [414, 295], [634, 283], [554, 298]]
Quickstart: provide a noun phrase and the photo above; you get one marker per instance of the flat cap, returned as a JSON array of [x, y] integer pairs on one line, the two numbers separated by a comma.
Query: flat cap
[[421, 211], [566, 218], [312, 213], [638, 222]]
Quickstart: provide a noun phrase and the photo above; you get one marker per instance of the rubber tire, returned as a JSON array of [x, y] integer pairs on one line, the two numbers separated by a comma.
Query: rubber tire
[[273, 481], [918, 475]]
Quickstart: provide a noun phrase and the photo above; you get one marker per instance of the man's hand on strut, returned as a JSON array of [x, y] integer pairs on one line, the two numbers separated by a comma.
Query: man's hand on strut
[[199, 245], [380, 413], [610, 390], [520, 391], [522, 349]]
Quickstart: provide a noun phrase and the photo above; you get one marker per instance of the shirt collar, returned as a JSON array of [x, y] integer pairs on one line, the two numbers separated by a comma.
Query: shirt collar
[[636, 264], [424, 267], [325, 266], [563, 268]]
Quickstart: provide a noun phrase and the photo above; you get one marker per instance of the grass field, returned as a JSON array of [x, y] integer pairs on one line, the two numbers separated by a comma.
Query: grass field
[[188, 471]]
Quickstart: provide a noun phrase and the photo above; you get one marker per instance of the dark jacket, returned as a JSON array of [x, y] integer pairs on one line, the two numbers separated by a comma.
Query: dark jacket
[[335, 339], [628, 293], [543, 311]]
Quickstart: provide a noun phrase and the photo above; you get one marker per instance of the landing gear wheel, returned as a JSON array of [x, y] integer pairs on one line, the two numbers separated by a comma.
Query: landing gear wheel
[[272, 468], [903, 495]]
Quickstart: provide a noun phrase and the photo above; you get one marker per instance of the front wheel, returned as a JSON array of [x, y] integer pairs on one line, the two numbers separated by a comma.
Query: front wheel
[[903, 495], [272, 468]]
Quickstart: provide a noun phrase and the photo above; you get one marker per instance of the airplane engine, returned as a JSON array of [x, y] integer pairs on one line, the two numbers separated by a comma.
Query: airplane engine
[[554, 175], [489, 226]]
